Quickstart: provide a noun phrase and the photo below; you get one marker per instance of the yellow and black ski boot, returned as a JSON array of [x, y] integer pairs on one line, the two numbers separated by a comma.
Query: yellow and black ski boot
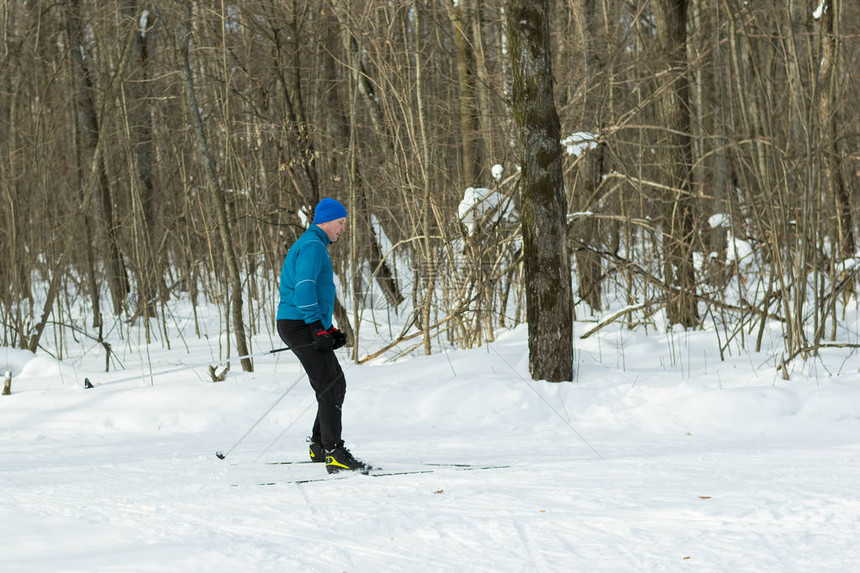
[[316, 451], [341, 459]]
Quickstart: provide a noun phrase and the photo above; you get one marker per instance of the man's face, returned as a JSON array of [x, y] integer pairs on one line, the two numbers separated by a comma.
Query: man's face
[[334, 229]]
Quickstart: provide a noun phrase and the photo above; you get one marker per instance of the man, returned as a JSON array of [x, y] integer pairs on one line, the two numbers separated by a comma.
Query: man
[[305, 325]]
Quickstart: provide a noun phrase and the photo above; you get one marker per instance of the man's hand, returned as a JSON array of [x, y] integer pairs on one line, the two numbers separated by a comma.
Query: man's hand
[[322, 338], [338, 337]]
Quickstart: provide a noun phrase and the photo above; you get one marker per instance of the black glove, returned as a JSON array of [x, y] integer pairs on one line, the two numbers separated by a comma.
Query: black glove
[[322, 338], [338, 337]]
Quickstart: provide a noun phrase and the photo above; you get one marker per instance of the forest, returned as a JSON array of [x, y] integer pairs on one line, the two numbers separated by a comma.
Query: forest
[[156, 151]]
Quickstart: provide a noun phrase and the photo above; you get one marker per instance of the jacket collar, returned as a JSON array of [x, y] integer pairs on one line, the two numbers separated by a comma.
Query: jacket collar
[[320, 233]]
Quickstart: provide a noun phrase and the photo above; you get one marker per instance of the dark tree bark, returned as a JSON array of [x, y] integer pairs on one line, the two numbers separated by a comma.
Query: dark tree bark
[[547, 265], [677, 146]]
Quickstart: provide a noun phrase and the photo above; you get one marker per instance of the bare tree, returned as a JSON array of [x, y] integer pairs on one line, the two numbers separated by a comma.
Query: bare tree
[[679, 229], [592, 167], [459, 11], [137, 103], [89, 133], [831, 129], [218, 195], [547, 274], [705, 110]]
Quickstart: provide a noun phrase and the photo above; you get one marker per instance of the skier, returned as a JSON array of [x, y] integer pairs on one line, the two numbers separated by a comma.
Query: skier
[[305, 324]]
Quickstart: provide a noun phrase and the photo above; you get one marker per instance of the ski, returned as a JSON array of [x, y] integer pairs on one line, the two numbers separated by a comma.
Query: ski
[[429, 464], [343, 475], [378, 472]]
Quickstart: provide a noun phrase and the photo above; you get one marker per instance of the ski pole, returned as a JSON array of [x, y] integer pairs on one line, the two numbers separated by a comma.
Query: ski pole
[[221, 455], [290, 425], [88, 384]]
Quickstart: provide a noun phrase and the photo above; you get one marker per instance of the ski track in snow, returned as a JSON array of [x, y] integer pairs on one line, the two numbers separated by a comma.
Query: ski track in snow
[[706, 471]]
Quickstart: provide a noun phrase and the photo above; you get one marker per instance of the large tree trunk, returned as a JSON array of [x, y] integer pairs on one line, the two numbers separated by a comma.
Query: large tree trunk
[[678, 221], [548, 290], [218, 195]]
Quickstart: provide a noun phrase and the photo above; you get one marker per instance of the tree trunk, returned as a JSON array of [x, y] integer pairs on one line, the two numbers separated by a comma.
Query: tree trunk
[[828, 95], [427, 253], [592, 169], [548, 290], [139, 113], [295, 110], [362, 79], [341, 132], [34, 337], [15, 266], [81, 183], [678, 220], [218, 195], [88, 119], [458, 12]]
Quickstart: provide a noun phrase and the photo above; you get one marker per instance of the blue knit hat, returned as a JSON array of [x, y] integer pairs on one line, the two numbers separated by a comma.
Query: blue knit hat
[[328, 210]]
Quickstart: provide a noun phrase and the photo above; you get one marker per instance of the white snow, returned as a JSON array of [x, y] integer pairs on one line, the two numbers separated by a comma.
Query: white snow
[[737, 249], [819, 12], [578, 142], [482, 206], [659, 457], [848, 264], [13, 360], [304, 217], [143, 22], [497, 171], [720, 220]]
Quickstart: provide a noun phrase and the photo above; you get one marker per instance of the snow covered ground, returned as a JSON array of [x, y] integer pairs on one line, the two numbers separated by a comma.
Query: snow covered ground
[[658, 458]]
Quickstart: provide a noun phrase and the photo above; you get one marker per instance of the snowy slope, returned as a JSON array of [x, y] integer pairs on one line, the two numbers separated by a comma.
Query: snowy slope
[[658, 458]]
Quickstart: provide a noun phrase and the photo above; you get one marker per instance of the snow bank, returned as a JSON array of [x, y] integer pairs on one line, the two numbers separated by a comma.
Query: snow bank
[[658, 458], [13, 360]]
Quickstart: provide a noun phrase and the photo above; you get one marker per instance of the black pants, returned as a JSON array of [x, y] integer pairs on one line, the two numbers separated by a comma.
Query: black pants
[[326, 378]]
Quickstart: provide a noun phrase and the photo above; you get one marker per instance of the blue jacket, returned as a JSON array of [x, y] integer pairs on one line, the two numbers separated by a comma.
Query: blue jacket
[[307, 280]]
